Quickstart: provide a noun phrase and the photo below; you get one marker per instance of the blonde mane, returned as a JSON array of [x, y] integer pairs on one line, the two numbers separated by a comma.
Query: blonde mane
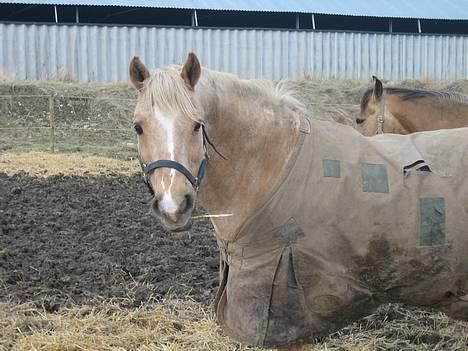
[[166, 91], [281, 91]]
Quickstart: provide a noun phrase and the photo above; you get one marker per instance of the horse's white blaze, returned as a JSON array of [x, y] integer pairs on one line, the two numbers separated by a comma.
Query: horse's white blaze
[[167, 125], [168, 204]]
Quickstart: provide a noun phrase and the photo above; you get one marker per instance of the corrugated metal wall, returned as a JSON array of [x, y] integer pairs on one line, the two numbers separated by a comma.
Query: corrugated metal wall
[[102, 53]]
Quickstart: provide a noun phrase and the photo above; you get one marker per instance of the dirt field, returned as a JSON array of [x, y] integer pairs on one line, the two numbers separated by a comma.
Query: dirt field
[[73, 240], [83, 266], [82, 262]]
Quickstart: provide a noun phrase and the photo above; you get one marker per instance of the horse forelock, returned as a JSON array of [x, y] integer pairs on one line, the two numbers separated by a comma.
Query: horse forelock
[[167, 92]]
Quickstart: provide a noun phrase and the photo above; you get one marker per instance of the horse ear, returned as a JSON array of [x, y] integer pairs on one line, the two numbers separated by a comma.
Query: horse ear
[[191, 71], [378, 88], [138, 72]]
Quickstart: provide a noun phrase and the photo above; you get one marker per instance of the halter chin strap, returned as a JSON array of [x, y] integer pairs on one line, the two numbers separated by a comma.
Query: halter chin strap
[[148, 168], [381, 117]]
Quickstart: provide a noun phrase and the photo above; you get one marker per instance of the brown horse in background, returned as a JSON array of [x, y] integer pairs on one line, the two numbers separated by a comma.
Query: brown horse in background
[[405, 111]]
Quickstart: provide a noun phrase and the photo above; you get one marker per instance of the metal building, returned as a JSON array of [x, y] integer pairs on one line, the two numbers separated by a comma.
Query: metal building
[[91, 41]]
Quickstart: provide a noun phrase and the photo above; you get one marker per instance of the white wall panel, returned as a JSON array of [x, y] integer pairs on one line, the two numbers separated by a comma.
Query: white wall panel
[[101, 53]]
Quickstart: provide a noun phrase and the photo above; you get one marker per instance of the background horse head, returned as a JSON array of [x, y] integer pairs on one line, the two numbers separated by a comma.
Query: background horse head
[[404, 111]]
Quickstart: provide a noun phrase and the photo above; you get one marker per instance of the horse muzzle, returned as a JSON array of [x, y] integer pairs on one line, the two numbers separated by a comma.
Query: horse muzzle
[[176, 227], [175, 216]]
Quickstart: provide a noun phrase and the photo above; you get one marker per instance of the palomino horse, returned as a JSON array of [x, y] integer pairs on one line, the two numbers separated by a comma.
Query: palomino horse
[[325, 224], [405, 111]]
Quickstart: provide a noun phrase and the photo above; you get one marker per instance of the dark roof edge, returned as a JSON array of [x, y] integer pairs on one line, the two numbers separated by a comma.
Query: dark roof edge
[[238, 10], [232, 28]]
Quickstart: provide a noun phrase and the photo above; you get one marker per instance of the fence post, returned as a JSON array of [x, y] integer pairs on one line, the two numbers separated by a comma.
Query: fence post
[[51, 123]]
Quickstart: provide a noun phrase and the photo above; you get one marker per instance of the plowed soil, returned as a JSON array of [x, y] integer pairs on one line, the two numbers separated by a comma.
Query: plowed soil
[[84, 239]]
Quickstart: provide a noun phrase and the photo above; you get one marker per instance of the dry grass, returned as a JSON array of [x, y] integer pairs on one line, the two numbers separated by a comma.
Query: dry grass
[[172, 326], [184, 325], [45, 164], [96, 118], [395, 327]]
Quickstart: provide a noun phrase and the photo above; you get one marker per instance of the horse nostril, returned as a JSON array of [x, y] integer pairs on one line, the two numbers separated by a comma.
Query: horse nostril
[[188, 203], [155, 206]]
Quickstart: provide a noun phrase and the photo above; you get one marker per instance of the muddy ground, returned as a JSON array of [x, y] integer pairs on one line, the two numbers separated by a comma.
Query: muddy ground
[[87, 240], [74, 240]]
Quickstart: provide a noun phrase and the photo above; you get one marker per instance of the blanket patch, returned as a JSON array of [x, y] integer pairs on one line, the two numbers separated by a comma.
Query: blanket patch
[[290, 232], [374, 178], [325, 304], [331, 168], [432, 226]]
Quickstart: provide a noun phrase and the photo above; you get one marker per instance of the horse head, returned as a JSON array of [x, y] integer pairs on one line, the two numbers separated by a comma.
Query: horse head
[[372, 104], [168, 122], [375, 115]]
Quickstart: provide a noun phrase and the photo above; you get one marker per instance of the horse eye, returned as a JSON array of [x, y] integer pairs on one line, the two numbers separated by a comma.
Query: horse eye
[[197, 126], [138, 128]]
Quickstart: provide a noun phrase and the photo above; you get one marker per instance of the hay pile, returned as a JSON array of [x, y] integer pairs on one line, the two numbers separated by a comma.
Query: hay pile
[[185, 325], [174, 325], [43, 164]]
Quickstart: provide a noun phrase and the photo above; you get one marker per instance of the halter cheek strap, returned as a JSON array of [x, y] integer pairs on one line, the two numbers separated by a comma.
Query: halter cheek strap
[[380, 118], [195, 181]]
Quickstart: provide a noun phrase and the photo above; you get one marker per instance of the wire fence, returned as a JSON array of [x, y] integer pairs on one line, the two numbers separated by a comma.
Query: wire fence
[[95, 124], [67, 123]]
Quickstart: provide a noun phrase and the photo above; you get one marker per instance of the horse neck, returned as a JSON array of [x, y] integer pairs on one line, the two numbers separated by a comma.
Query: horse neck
[[257, 133], [427, 113]]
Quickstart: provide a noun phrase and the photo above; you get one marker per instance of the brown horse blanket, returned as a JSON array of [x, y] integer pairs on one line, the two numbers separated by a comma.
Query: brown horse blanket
[[353, 223]]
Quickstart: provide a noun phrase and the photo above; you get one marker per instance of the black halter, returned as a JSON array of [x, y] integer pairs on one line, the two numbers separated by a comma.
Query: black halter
[[148, 168]]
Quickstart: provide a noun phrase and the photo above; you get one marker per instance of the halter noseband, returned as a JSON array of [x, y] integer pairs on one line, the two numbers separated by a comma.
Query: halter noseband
[[148, 168]]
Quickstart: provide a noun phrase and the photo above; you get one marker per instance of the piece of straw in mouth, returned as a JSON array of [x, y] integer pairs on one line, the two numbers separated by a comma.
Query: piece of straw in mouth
[[212, 215]]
